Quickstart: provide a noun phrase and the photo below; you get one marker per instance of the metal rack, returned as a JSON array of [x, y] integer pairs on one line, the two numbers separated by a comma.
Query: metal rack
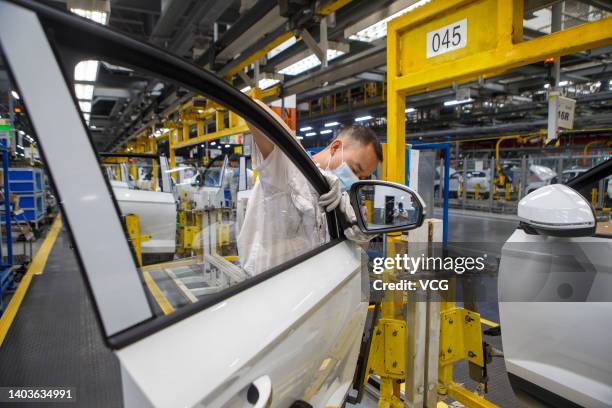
[[7, 275]]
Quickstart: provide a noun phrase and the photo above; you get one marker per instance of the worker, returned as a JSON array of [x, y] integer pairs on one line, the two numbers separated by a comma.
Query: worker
[[285, 216], [400, 215]]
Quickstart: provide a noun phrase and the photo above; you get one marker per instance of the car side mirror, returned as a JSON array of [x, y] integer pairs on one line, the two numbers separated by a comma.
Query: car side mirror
[[382, 206], [557, 210]]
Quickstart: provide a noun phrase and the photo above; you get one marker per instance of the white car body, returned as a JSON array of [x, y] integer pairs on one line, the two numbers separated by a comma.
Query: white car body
[[473, 178], [482, 178], [157, 214], [539, 176], [554, 313]]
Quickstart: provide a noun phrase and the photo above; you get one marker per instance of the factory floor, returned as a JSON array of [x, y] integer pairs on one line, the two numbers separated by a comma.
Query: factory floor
[[55, 339]]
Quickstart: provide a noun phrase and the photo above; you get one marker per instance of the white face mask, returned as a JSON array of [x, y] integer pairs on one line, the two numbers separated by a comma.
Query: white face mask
[[343, 172]]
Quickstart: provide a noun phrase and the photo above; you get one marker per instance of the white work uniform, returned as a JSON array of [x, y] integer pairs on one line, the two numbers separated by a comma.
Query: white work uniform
[[283, 218]]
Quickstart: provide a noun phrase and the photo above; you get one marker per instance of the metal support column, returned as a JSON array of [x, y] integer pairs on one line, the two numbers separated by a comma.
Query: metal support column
[[323, 41], [491, 183]]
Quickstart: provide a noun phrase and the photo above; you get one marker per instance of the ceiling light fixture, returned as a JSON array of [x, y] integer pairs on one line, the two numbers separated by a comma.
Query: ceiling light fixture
[[456, 102], [410, 110], [330, 124], [309, 62], [305, 128], [311, 134], [266, 83], [281, 47], [86, 71], [85, 106], [363, 118], [379, 29], [15, 95], [84, 92], [324, 132], [100, 17]]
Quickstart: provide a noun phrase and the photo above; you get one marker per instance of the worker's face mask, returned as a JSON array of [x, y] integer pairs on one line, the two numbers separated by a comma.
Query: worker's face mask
[[343, 172]]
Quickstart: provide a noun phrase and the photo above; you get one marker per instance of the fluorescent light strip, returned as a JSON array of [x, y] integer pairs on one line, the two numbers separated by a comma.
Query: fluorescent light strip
[[363, 118], [85, 106], [281, 47], [324, 132], [308, 63], [84, 92], [86, 71], [379, 29], [330, 124], [99, 17], [305, 128], [456, 102], [410, 110], [310, 134], [267, 83], [15, 95]]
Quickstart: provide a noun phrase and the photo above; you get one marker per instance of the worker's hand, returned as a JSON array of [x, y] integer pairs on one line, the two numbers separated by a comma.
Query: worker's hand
[[353, 232], [331, 199]]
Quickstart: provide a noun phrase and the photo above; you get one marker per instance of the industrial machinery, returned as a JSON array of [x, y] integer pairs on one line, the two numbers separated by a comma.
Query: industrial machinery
[[484, 38]]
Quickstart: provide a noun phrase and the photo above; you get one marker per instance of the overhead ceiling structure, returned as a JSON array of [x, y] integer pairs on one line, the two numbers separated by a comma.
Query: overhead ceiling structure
[[315, 49]]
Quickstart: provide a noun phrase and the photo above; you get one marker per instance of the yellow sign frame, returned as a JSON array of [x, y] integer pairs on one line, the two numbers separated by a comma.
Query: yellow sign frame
[[493, 46]]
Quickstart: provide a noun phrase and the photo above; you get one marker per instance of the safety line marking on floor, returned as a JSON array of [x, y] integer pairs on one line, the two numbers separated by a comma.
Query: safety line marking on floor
[[36, 268], [161, 300]]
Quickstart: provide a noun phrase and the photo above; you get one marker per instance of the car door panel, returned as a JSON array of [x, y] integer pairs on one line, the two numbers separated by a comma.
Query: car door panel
[[556, 340], [305, 337], [300, 324]]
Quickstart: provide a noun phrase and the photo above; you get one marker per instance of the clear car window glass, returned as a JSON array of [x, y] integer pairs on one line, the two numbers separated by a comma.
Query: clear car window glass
[[195, 228]]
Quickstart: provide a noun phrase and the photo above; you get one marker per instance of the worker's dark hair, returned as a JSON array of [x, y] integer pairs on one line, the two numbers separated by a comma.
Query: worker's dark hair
[[234, 157], [364, 136]]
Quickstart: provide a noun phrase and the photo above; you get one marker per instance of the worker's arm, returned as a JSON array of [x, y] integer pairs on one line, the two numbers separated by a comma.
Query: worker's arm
[[264, 144]]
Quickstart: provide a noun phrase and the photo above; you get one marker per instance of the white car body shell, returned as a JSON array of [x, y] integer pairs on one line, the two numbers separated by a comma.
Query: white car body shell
[[474, 178], [157, 214]]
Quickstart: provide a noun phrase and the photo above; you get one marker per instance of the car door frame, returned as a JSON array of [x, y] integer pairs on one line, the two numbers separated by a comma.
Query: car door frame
[[95, 41]]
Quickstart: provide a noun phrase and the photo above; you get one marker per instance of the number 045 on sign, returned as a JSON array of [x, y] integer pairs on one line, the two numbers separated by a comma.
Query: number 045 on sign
[[448, 38]]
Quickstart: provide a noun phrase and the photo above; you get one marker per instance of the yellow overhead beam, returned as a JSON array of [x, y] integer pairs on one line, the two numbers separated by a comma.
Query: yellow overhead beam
[[212, 136], [490, 50], [491, 43], [259, 54], [332, 6]]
